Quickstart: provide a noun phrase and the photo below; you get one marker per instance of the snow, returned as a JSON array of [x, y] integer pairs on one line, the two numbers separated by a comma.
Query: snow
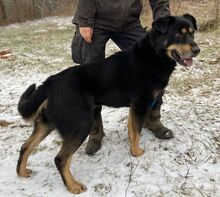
[[188, 165]]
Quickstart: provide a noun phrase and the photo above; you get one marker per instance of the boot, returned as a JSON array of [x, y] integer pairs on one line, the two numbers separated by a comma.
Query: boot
[[153, 123], [96, 134]]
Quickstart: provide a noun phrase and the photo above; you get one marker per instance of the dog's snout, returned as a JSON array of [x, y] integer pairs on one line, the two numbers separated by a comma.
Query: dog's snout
[[195, 50]]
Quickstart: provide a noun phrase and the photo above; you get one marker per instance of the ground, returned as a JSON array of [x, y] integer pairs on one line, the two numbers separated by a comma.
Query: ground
[[188, 165]]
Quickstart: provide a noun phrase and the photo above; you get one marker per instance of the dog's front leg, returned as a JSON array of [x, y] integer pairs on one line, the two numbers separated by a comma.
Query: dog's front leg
[[135, 123]]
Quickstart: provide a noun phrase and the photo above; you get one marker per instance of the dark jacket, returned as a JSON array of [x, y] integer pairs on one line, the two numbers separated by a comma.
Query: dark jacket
[[115, 15]]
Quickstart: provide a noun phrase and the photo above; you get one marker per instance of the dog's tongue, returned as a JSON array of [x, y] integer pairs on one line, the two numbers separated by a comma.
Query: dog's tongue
[[188, 61]]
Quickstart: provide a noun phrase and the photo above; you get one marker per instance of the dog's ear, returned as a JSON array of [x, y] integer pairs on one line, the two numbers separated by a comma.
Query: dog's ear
[[161, 24], [192, 19]]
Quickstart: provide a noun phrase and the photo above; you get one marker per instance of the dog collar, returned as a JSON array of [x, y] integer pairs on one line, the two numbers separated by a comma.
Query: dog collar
[[152, 104]]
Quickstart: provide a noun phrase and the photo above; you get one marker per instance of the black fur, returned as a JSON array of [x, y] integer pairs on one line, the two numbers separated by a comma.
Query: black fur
[[31, 99], [192, 19], [128, 77], [131, 78]]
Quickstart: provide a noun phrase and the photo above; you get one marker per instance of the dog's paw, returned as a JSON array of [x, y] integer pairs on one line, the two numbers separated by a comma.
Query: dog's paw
[[164, 134], [92, 147], [137, 152], [77, 188], [25, 173]]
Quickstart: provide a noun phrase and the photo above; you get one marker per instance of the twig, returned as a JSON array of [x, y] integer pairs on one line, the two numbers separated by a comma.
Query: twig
[[21, 126], [199, 190], [4, 123], [130, 175], [186, 177]]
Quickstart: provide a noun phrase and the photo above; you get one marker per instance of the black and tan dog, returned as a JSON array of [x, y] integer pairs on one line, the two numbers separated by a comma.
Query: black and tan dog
[[132, 78]]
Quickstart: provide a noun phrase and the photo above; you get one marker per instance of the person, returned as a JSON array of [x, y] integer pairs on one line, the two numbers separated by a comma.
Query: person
[[96, 22]]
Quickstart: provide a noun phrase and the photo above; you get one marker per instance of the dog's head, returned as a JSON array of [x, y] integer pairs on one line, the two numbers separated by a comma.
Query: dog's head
[[175, 37]]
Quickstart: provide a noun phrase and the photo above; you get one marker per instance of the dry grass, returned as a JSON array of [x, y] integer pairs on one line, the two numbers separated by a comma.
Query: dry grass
[[207, 12]]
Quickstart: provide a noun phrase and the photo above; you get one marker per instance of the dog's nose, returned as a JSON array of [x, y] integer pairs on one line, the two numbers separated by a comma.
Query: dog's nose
[[195, 50]]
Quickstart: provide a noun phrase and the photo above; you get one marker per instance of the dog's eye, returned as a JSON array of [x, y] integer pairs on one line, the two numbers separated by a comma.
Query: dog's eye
[[179, 35]]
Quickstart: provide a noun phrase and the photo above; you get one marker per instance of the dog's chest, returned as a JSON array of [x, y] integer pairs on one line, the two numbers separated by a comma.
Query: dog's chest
[[157, 93], [161, 79]]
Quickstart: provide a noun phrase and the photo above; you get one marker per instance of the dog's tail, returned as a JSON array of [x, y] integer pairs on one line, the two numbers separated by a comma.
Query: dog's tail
[[32, 101]]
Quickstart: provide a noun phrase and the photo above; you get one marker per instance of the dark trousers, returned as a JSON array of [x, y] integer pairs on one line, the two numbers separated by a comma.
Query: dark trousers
[[83, 52]]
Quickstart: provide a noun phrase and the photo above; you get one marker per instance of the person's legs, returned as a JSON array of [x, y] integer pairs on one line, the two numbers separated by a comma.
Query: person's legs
[[123, 40], [96, 133], [83, 52], [127, 38], [152, 121]]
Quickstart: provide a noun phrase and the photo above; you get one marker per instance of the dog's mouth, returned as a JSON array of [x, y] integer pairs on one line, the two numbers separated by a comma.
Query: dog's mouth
[[187, 62]]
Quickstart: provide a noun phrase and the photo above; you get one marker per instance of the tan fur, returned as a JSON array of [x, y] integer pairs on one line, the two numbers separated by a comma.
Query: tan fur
[[66, 153], [157, 93], [181, 48], [134, 135], [35, 115], [183, 30], [169, 54], [39, 133]]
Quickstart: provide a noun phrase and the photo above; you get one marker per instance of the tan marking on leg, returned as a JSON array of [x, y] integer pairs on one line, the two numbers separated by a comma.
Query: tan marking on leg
[[134, 135], [172, 47], [65, 156], [40, 131]]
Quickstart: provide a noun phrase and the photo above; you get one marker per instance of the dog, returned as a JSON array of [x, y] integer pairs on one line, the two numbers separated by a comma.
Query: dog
[[132, 78]]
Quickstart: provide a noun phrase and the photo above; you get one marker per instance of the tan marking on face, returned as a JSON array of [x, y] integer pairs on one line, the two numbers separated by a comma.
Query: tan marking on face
[[170, 54], [183, 30], [182, 49], [190, 30], [186, 48], [134, 134]]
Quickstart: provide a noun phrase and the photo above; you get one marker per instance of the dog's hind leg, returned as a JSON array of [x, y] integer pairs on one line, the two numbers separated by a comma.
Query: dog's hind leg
[[41, 130], [73, 130], [63, 161]]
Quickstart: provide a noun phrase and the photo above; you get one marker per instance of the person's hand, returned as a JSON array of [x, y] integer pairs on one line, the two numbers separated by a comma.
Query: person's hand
[[86, 33]]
